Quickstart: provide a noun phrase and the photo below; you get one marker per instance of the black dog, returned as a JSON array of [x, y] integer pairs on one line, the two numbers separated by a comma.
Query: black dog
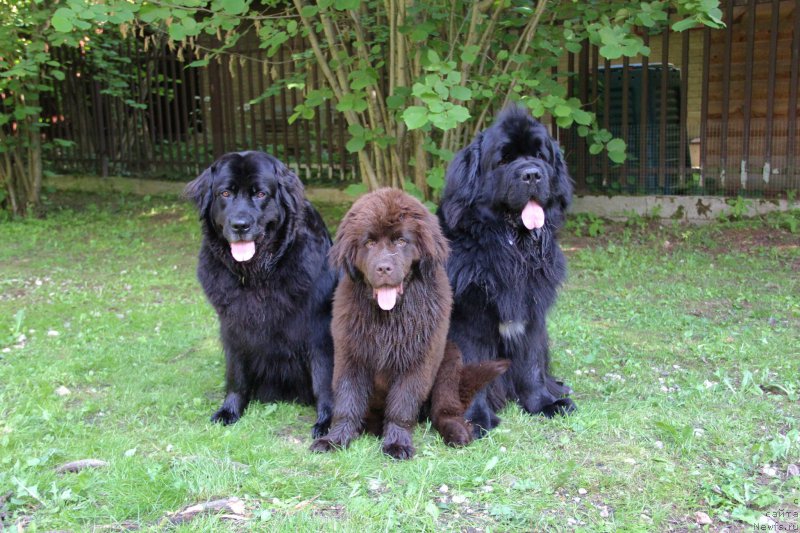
[[504, 200], [263, 266]]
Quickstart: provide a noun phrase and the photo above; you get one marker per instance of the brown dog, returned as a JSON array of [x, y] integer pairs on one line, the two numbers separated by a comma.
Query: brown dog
[[391, 313]]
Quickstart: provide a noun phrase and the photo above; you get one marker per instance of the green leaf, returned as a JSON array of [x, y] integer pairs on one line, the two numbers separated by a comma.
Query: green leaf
[[355, 144], [357, 130], [362, 78], [684, 24], [342, 5], [150, 13], [616, 150], [435, 179], [562, 110], [536, 106], [352, 102], [415, 117], [459, 113], [582, 117], [460, 93], [62, 20], [470, 53], [176, 31], [450, 117], [309, 11], [611, 51], [57, 74], [421, 32], [564, 122], [395, 101], [233, 7]]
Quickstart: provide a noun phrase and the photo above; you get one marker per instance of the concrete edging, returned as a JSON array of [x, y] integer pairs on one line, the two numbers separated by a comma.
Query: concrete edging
[[692, 209]]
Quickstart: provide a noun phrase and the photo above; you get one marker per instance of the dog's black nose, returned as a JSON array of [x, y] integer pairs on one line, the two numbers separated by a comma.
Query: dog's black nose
[[384, 268], [240, 225], [532, 176]]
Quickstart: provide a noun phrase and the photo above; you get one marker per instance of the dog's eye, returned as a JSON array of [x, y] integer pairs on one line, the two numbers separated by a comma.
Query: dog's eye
[[225, 194], [370, 243], [504, 161], [261, 195], [400, 242]]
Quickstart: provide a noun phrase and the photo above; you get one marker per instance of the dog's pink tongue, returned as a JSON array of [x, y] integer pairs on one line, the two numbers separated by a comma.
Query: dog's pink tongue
[[243, 250], [387, 297], [533, 215]]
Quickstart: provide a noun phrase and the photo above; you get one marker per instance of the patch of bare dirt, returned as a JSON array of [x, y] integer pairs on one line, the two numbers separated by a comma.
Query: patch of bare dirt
[[750, 240]]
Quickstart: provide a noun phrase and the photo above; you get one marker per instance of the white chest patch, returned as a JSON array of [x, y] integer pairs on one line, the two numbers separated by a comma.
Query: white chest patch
[[512, 328]]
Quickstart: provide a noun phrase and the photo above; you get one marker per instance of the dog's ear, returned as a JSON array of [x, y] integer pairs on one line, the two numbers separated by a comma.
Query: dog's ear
[[562, 183], [290, 188], [342, 254], [462, 183], [199, 189], [430, 241]]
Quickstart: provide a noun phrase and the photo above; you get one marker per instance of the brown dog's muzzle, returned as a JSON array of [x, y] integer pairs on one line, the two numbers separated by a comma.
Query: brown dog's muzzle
[[385, 273]]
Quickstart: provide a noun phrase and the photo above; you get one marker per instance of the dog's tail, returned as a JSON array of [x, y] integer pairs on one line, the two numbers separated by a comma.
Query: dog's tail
[[476, 376]]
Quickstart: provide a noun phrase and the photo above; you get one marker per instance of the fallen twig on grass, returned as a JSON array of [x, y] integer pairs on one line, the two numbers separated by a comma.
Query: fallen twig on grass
[[77, 466], [232, 507]]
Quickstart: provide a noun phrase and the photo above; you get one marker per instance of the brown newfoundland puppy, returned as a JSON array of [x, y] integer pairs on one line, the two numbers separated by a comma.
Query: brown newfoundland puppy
[[391, 313]]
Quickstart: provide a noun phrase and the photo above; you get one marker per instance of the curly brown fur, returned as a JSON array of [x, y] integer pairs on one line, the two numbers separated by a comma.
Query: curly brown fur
[[390, 319]]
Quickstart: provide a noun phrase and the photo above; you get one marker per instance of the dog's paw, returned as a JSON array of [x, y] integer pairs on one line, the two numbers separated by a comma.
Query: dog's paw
[[324, 444], [482, 422], [320, 428], [336, 439], [455, 432], [563, 407], [399, 450], [225, 416]]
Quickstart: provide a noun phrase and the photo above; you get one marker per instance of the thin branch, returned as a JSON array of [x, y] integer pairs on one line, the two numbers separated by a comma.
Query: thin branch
[[520, 47]]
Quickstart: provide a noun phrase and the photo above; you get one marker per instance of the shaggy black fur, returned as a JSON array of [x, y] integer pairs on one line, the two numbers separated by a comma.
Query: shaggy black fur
[[271, 288], [504, 200]]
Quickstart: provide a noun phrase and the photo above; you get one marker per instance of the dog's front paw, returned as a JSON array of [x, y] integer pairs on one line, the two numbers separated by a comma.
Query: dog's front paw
[[339, 437], [324, 444], [483, 420], [399, 450], [397, 441], [225, 416], [563, 407], [322, 424], [320, 429], [455, 432]]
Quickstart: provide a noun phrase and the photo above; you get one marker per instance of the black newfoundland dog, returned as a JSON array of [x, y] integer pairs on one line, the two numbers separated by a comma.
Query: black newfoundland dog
[[503, 203], [263, 266]]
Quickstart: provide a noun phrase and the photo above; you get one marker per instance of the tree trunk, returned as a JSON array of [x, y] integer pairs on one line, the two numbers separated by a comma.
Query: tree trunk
[[21, 166]]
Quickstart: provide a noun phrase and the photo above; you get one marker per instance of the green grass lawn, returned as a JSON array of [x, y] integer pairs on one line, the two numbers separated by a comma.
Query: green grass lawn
[[682, 345]]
